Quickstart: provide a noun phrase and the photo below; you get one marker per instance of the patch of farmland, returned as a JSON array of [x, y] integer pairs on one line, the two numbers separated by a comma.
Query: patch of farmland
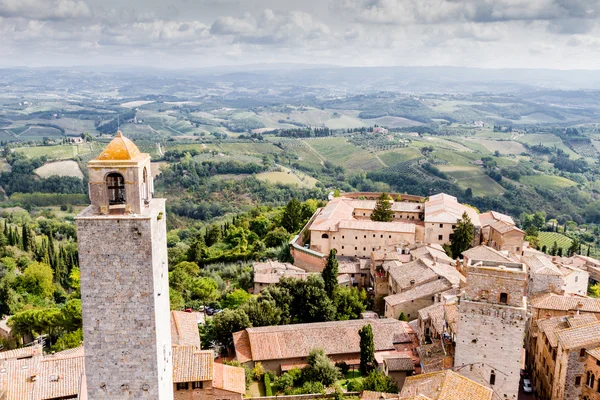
[[393, 157], [59, 168], [336, 150], [287, 177], [344, 122], [503, 146], [550, 182], [548, 238], [473, 177], [393, 122]]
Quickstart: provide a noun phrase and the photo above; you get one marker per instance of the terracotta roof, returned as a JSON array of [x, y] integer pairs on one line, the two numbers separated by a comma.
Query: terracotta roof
[[435, 313], [399, 206], [295, 341], [446, 209], [272, 265], [229, 378], [580, 336], [60, 375], [504, 227], [120, 149], [445, 385], [369, 395], [433, 252], [4, 324], [416, 272], [551, 301], [550, 326], [28, 351], [184, 329], [541, 265], [490, 216], [400, 362], [485, 253], [191, 364], [417, 397], [451, 316], [595, 353], [425, 290]]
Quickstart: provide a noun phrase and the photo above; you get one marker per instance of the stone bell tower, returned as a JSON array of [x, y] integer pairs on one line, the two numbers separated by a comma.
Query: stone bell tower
[[124, 279]]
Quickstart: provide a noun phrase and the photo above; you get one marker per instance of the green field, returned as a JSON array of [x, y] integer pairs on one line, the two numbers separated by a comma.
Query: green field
[[548, 238], [504, 146], [335, 150], [288, 177], [60, 168], [551, 182], [474, 178], [392, 157]]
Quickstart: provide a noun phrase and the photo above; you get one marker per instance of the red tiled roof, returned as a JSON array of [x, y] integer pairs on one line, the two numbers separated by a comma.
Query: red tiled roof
[[551, 301], [229, 378], [445, 385], [184, 329], [296, 341], [191, 364]]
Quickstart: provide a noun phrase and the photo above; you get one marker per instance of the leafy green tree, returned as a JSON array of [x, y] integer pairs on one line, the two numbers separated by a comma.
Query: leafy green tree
[[260, 225], [462, 236], [176, 299], [320, 369], [276, 237], [403, 317], [348, 303], [262, 312], [330, 273], [227, 322], [292, 216], [37, 279], [367, 349], [383, 209], [310, 300], [594, 290], [190, 268], [377, 381], [204, 290], [283, 299], [69, 340], [235, 298], [9, 298]]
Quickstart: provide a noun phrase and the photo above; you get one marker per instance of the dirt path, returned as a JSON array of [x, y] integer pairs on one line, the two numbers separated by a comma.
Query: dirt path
[[314, 151], [380, 160]]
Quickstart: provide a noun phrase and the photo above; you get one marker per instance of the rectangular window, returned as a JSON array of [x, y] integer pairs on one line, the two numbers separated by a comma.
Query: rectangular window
[[440, 237], [382, 236], [390, 236], [182, 386], [197, 385], [441, 225], [577, 380], [342, 247], [582, 353]]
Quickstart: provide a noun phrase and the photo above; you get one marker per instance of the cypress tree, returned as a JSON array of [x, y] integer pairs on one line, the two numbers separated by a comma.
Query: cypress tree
[[330, 273], [367, 349], [383, 209], [462, 236], [25, 238]]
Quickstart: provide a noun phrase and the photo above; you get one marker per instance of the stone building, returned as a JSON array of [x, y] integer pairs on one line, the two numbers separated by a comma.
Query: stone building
[[542, 360], [590, 389], [442, 212], [419, 284], [499, 232], [124, 279], [491, 325]]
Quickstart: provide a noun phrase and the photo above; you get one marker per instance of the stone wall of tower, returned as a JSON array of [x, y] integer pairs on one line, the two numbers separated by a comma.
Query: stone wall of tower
[[490, 337], [125, 302]]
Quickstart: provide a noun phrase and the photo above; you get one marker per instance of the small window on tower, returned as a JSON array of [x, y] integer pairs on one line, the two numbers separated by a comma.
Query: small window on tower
[[493, 378], [503, 298], [116, 188]]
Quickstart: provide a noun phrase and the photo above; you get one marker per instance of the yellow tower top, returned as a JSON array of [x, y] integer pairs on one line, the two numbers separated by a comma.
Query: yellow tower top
[[120, 149]]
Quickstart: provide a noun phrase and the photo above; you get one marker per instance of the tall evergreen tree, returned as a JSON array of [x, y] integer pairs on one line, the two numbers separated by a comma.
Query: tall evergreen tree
[[330, 273], [574, 248], [383, 209], [554, 249], [367, 349], [462, 236], [291, 218], [25, 237]]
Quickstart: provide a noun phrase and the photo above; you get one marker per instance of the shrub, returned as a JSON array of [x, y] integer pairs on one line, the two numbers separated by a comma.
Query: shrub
[[310, 387], [258, 371], [354, 385], [268, 389]]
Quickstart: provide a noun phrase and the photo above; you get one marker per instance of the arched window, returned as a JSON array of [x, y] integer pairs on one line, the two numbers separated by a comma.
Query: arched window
[[503, 298], [492, 378], [588, 380], [324, 236], [116, 188], [145, 185]]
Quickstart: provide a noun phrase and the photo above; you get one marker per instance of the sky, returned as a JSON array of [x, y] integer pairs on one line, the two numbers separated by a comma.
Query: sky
[[556, 34]]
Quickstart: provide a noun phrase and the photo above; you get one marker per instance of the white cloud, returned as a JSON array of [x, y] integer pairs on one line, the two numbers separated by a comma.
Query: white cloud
[[45, 10]]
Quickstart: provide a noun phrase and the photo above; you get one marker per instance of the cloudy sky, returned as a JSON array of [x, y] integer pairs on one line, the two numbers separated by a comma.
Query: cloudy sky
[[199, 33]]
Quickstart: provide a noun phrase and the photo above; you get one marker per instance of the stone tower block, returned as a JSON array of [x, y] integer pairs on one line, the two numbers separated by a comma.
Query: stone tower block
[[124, 279], [491, 326]]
